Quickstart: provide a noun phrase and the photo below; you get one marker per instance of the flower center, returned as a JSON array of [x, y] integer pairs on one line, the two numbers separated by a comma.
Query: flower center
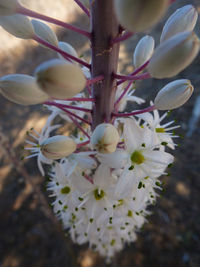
[[98, 194], [160, 130], [65, 190], [137, 157]]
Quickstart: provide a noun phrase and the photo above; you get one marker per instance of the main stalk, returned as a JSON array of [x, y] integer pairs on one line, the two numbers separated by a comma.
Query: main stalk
[[104, 58]]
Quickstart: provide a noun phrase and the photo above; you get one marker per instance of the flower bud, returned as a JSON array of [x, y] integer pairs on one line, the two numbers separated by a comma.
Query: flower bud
[[17, 25], [57, 147], [184, 19], [8, 7], [105, 138], [143, 51], [68, 49], [139, 15], [173, 95], [44, 32], [21, 89], [60, 79], [174, 55]]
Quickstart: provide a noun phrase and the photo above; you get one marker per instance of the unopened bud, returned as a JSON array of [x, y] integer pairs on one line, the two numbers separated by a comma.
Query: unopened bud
[[57, 147], [22, 89], [174, 55], [8, 7], [105, 138], [60, 79], [44, 32], [139, 15], [68, 49], [143, 51], [17, 25], [184, 19], [173, 95]]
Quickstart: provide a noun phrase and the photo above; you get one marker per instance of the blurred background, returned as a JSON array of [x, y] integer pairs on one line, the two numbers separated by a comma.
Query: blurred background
[[29, 234]]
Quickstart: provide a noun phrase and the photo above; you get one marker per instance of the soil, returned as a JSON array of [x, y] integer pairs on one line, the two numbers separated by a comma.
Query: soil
[[30, 235]]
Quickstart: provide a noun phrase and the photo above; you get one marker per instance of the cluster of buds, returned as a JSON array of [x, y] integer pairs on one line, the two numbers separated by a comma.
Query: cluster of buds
[[106, 173]]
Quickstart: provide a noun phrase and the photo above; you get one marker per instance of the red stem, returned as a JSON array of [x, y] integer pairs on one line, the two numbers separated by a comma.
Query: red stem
[[63, 53], [78, 125], [121, 38], [136, 71], [80, 99], [83, 144], [27, 12], [58, 105], [81, 5], [137, 112], [76, 116], [123, 94], [142, 76]]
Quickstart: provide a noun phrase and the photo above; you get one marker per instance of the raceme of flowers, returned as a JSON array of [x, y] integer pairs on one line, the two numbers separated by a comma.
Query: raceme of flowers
[[102, 180]]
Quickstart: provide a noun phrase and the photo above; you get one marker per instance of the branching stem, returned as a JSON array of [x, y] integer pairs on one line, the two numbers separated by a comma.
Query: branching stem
[[84, 8], [63, 53], [137, 112], [27, 12]]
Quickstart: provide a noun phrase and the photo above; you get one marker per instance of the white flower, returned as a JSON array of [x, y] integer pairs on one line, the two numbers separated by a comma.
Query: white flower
[[39, 138], [140, 157], [17, 25], [162, 132], [183, 19], [143, 51], [174, 55]]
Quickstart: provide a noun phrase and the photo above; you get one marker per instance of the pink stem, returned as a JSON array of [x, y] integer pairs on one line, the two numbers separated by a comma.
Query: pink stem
[[123, 94], [94, 80], [58, 105], [136, 71], [88, 178], [125, 78], [76, 116], [137, 112], [132, 78], [122, 38], [63, 53], [25, 11], [81, 5], [83, 144], [80, 99], [78, 125], [89, 90]]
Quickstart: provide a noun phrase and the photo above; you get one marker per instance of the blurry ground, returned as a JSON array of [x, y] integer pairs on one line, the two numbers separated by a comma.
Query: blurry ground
[[29, 235]]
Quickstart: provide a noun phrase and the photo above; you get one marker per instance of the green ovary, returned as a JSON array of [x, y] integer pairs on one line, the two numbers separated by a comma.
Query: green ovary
[[99, 194], [137, 157], [65, 190], [160, 130]]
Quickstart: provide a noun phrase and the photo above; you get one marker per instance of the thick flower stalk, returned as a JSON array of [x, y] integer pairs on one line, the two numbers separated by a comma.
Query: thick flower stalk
[[106, 173]]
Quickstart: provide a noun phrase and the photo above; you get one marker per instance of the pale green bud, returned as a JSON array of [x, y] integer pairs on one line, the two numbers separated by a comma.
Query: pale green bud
[[57, 147], [184, 19], [174, 55], [22, 89], [139, 15], [68, 49], [17, 25], [105, 138], [44, 32], [60, 79], [173, 95], [8, 7], [143, 51]]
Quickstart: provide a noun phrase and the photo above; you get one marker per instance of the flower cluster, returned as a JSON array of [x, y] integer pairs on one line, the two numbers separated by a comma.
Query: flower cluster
[[104, 175]]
